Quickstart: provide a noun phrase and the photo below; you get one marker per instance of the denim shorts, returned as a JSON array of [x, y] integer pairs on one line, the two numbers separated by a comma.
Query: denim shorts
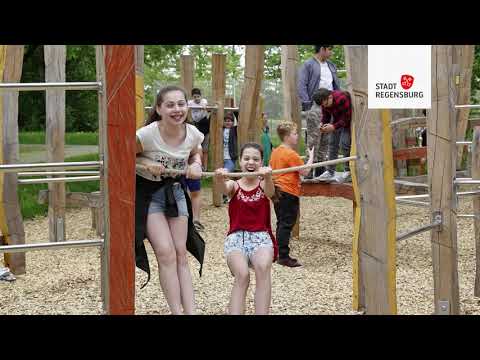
[[158, 203], [247, 242]]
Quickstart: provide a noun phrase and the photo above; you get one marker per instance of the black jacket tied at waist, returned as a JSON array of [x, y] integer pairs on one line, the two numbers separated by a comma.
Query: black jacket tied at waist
[[144, 191]]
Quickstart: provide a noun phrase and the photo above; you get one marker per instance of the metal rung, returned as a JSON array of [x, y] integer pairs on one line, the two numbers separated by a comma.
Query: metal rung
[[418, 230], [50, 246], [414, 203], [467, 216], [409, 183], [51, 86], [53, 173], [15, 168], [467, 182], [407, 197], [473, 106], [464, 143], [58, 180]]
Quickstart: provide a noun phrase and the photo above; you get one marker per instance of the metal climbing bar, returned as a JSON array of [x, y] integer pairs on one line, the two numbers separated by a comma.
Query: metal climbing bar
[[50, 246], [466, 182], [467, 106], [407, 119], [409, 183], [52, 173], [15, 168], [51, 85], [419, 230], [414, 203], [58, 180]]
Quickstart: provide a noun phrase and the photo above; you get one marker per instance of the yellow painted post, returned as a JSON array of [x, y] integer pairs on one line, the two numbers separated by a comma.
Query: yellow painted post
[[139, 86]]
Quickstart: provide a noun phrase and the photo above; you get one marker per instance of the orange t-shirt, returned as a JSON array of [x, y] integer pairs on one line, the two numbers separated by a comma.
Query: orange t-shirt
[[283, 157]]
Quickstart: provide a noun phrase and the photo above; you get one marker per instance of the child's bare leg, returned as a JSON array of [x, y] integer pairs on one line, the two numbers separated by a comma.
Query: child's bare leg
[[178, 229], [238, 265], [262, 264], [158, 233]]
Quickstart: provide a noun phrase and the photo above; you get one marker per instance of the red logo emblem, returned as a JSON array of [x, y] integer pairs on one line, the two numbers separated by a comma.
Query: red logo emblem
[[406, 81]]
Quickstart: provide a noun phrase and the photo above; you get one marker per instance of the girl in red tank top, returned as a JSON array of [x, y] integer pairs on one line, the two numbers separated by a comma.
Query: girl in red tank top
[[250, 241]]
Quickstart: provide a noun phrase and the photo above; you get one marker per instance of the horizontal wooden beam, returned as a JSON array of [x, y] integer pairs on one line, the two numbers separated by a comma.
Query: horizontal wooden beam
[[326, 189], [75, 199], [410, 153]]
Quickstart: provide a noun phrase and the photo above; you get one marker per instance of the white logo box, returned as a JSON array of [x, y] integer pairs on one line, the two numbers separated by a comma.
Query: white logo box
[[399, 76]]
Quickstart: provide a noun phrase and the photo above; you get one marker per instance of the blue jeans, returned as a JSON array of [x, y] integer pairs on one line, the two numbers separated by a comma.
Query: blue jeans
[[229, 165], [340, 138]]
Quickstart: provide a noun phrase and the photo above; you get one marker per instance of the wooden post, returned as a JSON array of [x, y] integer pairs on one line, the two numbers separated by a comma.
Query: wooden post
[[256, 126], [254, 63], [216, 119], [441, 154], [374, 239], [187, 76], [55, 58], [398, 135], [463, 57], [476, 205], [186, 70], [139, 85], [289, 81], [119, 172], [11, 223]]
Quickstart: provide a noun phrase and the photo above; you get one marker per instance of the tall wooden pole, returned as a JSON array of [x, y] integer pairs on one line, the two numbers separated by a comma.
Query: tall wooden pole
[[463, 57], [119, 172], [186, 73], [289, 80], [249, 101], [139, 85], [441, 154], [11, 223], [476, 205], [55, 59], [216, 119], [374, 288]]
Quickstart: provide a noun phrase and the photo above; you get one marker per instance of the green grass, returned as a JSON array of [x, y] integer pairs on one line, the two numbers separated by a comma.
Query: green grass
[[28, 194], [74, 138]]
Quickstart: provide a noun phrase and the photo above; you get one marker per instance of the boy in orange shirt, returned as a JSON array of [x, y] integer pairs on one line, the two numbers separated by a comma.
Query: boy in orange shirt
[[288, 204]]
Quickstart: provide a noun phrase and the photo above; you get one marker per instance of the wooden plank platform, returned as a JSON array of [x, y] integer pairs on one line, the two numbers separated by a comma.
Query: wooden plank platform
[[410, 153], [317, 188]]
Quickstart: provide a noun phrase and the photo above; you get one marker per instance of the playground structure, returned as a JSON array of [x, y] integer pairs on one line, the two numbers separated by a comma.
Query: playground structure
[[120, 85]]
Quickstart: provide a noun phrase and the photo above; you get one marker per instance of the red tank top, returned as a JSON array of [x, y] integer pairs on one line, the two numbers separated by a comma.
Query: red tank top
[[250, 211]]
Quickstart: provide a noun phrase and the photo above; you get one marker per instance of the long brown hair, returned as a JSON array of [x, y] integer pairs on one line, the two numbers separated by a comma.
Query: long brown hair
[[153, 116]]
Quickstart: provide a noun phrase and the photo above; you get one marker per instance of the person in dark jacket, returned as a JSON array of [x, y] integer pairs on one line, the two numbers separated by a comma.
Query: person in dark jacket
[[230, 151], [167, 142]]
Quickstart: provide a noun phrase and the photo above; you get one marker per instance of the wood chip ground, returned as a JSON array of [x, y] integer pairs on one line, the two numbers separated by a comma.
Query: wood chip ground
[[68, 281]]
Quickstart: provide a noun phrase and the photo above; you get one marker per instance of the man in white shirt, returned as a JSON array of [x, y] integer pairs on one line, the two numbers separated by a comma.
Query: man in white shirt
[[201, 119], [317, 72]]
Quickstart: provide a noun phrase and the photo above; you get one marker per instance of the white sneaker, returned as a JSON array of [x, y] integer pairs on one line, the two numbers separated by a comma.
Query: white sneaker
[[344, 177], [326, 176]]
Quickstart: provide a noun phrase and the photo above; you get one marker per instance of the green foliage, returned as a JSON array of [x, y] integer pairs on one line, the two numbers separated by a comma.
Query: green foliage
[[81, 109], [476, 76], [76, 138]]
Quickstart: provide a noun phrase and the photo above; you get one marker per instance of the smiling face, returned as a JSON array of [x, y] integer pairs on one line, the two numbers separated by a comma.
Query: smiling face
[[250, 160], [173, 109]]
